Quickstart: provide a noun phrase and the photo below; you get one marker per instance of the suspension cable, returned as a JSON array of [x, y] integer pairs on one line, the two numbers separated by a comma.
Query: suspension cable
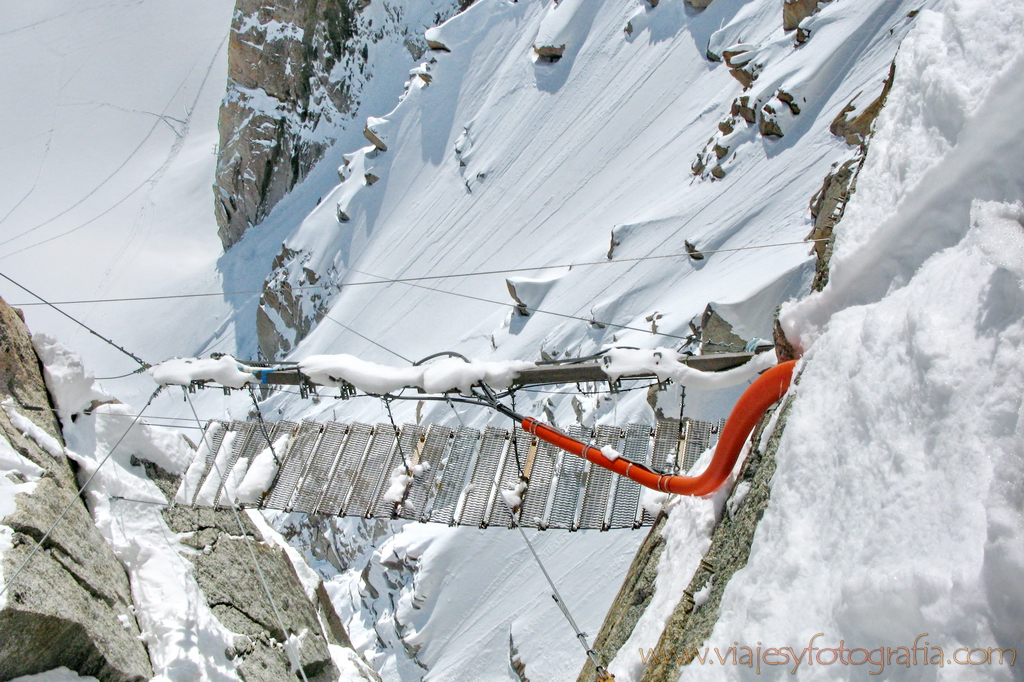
[[386, 399], [259, 417], [457, 415], [140, 370], [367, 338], [602, 672], [566, 316], [143, 365], [424, 278], [515, 441]]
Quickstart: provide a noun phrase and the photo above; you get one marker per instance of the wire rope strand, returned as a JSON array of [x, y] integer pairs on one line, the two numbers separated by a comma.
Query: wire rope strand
[[142, 363], [452, 405], [263, 426], [515, 441], [138, 501], [505, 304], [140, 370], [411, 281], [580, 635], [386, 399], [367, 338], [424, 278]]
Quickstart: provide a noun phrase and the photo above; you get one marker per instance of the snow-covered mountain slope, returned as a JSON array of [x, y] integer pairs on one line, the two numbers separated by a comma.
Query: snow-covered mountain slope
[[459, 604], [297, 75], [504, 160], [496, 159], [629, 145], [895, 506], [108, 138]]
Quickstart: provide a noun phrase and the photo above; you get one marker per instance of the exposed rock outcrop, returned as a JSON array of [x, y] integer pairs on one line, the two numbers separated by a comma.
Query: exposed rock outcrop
[[514, 662], [856, 129], [716, 334], [795, 11], [234, 591], [295, 73], [371, 133], [284, 96], [287, 311], [737, 129], [550, 53], [829, 204], [690, 624], [72, 604], [741, 107], [631, 601], [769, 122], [827, 208]]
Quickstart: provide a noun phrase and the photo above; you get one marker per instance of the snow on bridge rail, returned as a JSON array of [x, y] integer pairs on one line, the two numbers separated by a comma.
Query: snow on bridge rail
[[461, 476]]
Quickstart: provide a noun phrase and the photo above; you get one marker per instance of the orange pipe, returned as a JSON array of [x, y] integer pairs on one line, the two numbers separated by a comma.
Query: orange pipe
[[766, 390]]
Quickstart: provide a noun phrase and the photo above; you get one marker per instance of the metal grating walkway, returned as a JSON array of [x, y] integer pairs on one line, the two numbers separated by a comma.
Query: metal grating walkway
[[345, 470]]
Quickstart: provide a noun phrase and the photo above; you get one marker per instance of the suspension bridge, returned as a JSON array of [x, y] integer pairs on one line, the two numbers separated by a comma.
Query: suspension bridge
[[340, 469]]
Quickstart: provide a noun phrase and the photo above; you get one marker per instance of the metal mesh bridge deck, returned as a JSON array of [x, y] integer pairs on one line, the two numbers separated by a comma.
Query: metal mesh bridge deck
[[341, 469]]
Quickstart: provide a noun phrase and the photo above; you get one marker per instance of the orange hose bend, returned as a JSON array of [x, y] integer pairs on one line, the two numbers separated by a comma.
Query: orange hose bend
[[766, 390]]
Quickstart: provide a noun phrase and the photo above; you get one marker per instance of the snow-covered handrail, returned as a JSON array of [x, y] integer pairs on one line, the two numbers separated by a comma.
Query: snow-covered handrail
[[223, 370], [440, 376], [446, 374]]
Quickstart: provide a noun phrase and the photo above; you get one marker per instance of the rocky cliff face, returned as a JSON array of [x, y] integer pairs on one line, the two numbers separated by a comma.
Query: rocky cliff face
[[76, 606], [72, 604], [294, 300], [228, 577], [287, 88], [296, 69]]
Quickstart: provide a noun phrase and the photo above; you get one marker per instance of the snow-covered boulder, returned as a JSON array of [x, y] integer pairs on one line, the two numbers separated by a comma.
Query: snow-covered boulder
[[375, 132], [795, 11], [435, 40], [565, 25], [528, 292]]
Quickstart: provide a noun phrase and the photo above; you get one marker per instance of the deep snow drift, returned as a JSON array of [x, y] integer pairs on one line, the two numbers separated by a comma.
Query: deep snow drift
[[901, 512]]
